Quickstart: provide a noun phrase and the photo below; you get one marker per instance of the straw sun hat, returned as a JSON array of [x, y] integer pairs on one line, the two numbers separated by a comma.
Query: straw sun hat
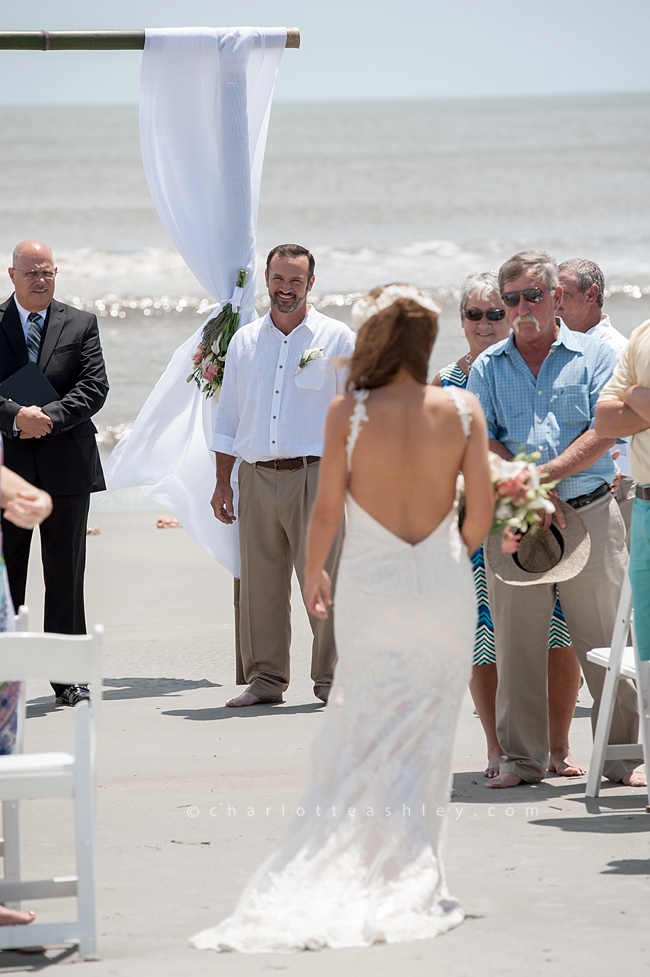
[[547, 556]]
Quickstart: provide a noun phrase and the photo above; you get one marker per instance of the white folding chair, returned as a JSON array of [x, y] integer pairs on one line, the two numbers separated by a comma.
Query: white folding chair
[[620, 660], [65, 659], [10, 843]]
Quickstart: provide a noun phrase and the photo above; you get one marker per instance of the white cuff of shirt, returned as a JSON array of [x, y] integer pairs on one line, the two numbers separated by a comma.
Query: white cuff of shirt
[[16, 428], [223, 444]]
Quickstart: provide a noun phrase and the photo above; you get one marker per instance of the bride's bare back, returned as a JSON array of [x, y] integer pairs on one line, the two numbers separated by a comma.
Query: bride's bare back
[[407, 457], [403, 473], [406, 462]]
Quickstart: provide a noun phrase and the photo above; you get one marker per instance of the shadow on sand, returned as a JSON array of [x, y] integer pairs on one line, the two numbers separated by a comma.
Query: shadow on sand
[[607, 824], [470, 787], [628, 866], [127, 688], [223, 712], [11, 960], [152, 688]]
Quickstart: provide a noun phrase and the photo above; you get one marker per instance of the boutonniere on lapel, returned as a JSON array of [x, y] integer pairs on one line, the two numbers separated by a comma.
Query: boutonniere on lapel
[[313, 353]]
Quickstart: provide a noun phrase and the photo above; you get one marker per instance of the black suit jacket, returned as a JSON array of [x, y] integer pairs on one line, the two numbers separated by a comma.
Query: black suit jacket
[[65, 462]]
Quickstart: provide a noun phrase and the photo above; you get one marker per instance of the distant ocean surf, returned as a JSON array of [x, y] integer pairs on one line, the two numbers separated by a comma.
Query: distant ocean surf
[[422, 191]]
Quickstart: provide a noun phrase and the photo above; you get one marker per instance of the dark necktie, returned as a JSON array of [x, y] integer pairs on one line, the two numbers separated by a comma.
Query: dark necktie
[[34, 334]]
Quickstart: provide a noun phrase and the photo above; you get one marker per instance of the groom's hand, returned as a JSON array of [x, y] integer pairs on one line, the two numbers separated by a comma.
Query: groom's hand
[[221, 503]]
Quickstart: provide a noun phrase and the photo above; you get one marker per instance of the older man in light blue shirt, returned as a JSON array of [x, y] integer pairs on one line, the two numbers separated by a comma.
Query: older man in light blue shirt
[[538, 390], [547, 412]]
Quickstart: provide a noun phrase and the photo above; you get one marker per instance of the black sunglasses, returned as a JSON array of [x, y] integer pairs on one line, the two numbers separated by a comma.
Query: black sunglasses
[[530, 294], [475, 315]]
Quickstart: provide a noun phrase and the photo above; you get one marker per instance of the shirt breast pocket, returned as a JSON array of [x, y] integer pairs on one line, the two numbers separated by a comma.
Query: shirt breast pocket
[[570, 404], [312, 375]]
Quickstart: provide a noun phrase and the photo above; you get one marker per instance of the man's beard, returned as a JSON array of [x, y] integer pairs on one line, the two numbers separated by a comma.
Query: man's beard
[[282, 307], [528, 317]]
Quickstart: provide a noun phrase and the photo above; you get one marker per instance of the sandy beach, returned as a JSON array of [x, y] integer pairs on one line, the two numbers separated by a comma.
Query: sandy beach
[[193, 796]]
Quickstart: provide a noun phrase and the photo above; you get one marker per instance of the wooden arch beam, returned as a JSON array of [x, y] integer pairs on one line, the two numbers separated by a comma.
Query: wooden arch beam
[[91, 40]]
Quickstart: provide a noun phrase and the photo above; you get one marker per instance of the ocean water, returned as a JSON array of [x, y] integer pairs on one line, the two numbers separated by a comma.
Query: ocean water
[[421, 191]]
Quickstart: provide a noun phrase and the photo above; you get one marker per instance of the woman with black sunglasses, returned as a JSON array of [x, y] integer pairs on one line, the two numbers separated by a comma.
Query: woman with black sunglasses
[[484, 323]]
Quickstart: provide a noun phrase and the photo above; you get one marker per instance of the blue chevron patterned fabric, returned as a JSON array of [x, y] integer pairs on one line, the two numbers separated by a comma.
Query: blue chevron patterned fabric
[[484, 649]]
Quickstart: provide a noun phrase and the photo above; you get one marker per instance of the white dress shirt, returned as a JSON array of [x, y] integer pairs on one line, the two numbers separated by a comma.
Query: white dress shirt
[[263, 412], [605, 331]]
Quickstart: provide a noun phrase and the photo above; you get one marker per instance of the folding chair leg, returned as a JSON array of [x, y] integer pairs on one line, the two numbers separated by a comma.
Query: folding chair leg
[[85, 839], [610, 685], [601, 736], [11, 829]]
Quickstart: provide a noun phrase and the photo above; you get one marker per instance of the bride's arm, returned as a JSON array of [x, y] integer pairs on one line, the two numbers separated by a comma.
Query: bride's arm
[[24, 504], [328, 508], [479, 512]]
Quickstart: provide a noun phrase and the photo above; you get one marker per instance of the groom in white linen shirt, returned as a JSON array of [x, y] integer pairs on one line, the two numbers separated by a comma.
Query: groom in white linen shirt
[[271, 415]]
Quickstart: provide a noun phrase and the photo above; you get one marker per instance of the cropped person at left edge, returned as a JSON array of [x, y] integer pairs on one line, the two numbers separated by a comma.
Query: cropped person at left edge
[[52, 447]]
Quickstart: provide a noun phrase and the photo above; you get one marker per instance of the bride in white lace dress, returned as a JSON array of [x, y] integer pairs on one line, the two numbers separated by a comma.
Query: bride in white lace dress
[[362, 861]]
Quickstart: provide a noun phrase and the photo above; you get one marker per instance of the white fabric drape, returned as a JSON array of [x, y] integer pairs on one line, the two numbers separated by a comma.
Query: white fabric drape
[[205, 101]]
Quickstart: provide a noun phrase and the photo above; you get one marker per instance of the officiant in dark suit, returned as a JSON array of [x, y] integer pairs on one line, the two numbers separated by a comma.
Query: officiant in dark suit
[[52, 446]]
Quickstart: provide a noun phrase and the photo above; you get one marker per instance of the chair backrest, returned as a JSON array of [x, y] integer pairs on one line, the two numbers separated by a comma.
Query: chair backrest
[[62, 658]]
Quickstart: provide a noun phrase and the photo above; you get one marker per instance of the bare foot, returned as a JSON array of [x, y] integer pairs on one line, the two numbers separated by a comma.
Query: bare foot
[[245, 699], [635, 778], [15, 917], [492, 769], [505, 780], [563, 764], [168, 522]]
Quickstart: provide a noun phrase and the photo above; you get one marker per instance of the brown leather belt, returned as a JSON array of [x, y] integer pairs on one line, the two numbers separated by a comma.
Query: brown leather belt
[[288, 464], [583, 500]]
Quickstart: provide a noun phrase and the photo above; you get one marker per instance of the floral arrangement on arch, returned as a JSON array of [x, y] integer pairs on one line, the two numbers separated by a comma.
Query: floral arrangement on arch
[[209, 358]]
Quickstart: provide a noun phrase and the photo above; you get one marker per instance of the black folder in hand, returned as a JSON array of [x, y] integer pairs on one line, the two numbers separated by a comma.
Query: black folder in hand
[[29, 387]]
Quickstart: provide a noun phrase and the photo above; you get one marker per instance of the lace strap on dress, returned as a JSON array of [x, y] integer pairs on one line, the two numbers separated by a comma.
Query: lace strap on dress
[[357, 417], [463, 408]]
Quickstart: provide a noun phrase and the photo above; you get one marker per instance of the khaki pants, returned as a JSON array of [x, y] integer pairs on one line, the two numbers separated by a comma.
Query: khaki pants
[[521, 618], [625, 499], [274, 509]]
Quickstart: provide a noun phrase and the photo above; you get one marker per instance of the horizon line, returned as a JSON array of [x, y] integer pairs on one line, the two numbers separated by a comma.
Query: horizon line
[[317, 100]]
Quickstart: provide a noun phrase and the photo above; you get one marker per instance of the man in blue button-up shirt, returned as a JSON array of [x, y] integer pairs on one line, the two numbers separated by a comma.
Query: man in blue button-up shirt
[[538, 389]]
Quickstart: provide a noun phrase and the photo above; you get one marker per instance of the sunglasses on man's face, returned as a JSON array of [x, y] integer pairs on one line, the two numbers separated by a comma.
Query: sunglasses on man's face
[[475, 315], [530, 294]]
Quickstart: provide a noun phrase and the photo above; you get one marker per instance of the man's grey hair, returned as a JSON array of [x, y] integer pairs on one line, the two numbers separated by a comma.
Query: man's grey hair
[[540, 261], [482, 284], [586, 273]]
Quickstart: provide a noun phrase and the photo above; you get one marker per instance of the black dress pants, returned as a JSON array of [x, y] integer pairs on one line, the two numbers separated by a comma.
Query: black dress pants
[[63, 548]]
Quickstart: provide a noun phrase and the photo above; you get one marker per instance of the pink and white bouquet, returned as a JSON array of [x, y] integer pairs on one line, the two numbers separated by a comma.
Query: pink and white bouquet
[[520, 498], [209, 359]]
